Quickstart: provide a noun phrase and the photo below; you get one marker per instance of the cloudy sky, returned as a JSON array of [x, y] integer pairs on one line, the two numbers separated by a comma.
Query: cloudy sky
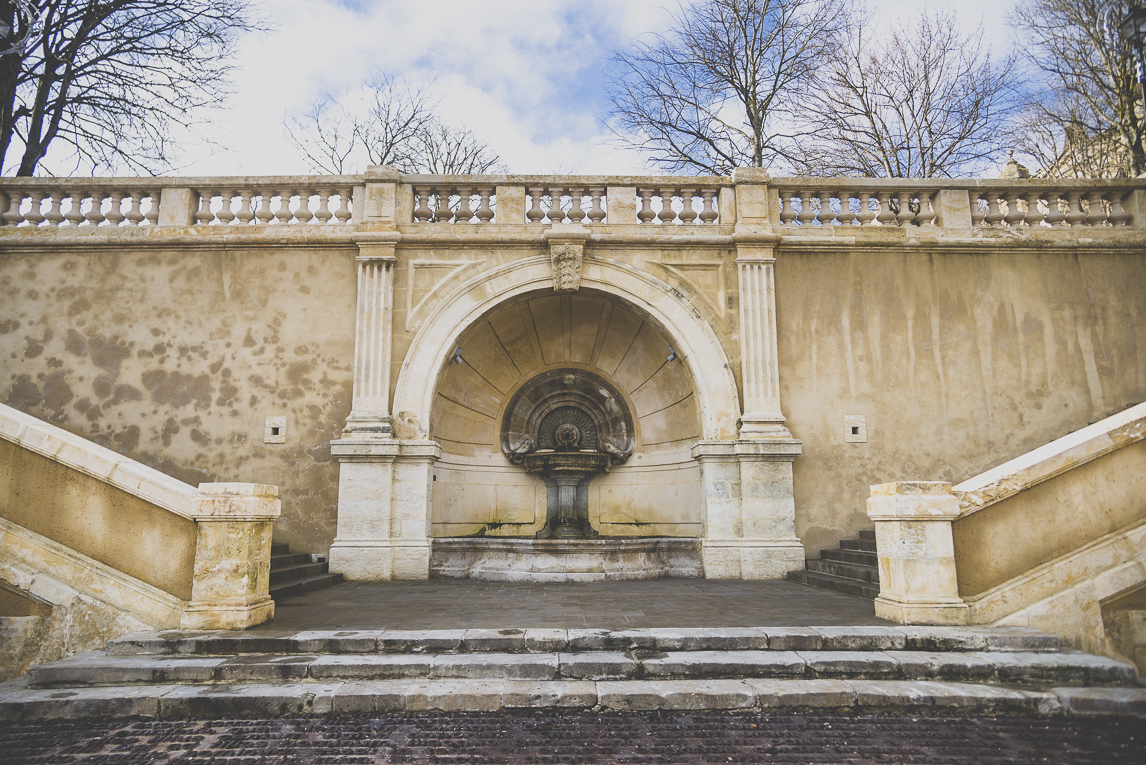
[[525, 75]]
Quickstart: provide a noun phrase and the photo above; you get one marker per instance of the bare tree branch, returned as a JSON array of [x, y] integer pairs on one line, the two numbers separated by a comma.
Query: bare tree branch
[[109, 78], [718, 90], [385, 121]]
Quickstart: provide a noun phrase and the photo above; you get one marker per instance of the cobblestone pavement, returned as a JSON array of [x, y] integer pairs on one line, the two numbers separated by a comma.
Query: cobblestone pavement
[[554, 737], [472, 604]]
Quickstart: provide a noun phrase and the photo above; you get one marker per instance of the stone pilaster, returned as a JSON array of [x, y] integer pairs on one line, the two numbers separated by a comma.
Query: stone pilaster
[[759, 363], [373, 328], [917, 580], [749, 512], [231, 580]]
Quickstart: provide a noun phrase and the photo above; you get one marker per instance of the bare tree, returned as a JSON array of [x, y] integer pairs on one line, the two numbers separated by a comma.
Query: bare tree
[[918, 102], [719, 89], [109, 78], [1087, 100], [385, 121]]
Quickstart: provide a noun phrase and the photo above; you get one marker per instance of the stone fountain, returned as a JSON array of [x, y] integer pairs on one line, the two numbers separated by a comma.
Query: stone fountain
[[567, 427]]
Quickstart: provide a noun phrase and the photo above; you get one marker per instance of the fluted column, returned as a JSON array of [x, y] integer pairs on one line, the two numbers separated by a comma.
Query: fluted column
[[370, 413], [760, 371]]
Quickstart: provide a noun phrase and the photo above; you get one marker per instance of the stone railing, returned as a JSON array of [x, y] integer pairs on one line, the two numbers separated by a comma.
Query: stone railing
[[1041, 541], [795, 206]]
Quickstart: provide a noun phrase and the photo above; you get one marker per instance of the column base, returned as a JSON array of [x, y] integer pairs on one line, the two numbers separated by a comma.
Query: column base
[[368, 426], [205, 615], [933, 613], [754, 559], [380, 559]]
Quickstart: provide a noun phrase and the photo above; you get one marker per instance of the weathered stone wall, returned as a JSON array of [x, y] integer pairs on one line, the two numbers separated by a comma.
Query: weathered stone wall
[[174, 356]]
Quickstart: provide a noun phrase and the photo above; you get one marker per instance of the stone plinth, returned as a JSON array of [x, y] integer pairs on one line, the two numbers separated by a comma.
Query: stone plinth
[[565, 560], [230, 589]]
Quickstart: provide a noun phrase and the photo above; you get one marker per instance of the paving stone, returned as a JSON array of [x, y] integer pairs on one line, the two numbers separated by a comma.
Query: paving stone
[[850, 664], [500, 641], [247, 700], [500, 666], [373, 667], [264, 667], [923, 638], [720, 664], [860, 638], [610, 640], [1103, 701], [1060, 668], [801, 694], [555, 694], [600, 665], [72, 703], [793, 639], [546, 640], [698, 639], [418, 641], [675, 694], [938, 665], [455, 696], [88, 669], [370, 696], [340, 641], [1017, 639]]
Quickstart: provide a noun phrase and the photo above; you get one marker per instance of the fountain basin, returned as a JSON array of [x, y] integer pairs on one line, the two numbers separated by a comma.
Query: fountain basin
[[607, 559]]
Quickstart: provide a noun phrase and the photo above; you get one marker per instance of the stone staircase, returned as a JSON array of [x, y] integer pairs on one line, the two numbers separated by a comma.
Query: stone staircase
[[296, 574], [852, 569], [924, 670]]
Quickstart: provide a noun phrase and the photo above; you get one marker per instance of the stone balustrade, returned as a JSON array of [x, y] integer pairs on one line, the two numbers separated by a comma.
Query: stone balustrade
[[798, 206]]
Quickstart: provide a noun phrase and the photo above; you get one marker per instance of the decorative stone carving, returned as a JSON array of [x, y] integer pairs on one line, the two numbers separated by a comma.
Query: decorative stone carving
[[566, 258]]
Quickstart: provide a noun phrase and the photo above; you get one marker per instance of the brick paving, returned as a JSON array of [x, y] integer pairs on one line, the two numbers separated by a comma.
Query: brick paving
[[553, 737], [472, 604]]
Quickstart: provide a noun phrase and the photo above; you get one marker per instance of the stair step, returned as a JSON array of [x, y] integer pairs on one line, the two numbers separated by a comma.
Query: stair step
[[1065, 669], [851, 556], [288, 559], [867, 545], [472, 641], [867, 534], [852, 696], [280, 549], [283, 574], [836, 583], [302, 586], [868, 574]]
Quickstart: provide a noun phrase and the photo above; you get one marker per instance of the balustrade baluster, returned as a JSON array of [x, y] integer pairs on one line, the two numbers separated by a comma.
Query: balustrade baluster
[[788, 211], [55, 215], [152, 214], [134, 215], [12, 216], [576, 213], [845, 215], [344, 213], [926, 214], [1097, 214], [977, 212], [1055, 215], [709, 213], [115, 213], [303, 213], [1034, 216], [1014, 215], [667, 215], [1118, 215], [1075, 215], [33, 215], [886, 216], [807, 214], [484, 212], [994, 216], [646, 213], [246, 211], [225, 214], [323, 213], [826, 214], [263, 210], [203, 215], [687, 214], [464, 213], [73, 215], [535, 213], [866, 215], [557, 212], [423, 213], [905, 214], [283, 215], [94, 214], [596, 213]]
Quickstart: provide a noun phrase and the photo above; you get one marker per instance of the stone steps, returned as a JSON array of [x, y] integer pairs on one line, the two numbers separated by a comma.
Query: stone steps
[[853, 569], [973, 670], [294, 574]]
